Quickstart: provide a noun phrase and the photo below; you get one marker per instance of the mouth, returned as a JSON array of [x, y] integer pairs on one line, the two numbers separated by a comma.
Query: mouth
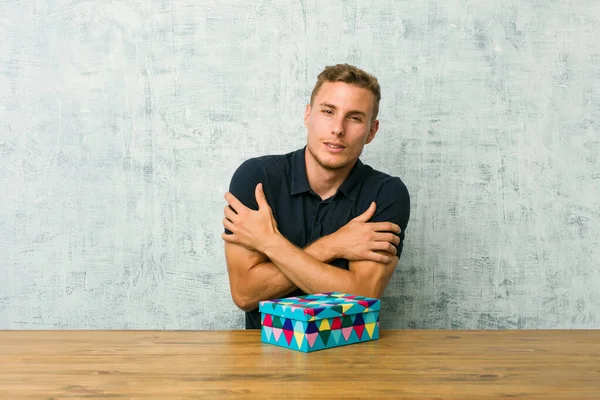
[[334, 147]]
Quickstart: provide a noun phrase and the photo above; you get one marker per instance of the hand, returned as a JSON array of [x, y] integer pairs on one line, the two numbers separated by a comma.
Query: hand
[[249, 228], [362, 240]]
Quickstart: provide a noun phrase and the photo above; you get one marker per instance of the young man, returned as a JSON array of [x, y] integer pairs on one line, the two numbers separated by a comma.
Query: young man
[[317, 219]]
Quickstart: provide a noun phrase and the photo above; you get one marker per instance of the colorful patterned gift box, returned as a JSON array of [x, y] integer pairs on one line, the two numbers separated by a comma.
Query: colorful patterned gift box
[[319, 321]]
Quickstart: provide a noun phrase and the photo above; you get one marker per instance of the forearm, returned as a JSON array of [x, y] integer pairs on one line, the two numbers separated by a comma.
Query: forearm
[[322, 249], [263, 281], [308, 273], [266, 281]]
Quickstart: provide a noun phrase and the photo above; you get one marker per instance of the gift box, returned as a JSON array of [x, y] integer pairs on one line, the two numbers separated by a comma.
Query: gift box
[[319, 321]]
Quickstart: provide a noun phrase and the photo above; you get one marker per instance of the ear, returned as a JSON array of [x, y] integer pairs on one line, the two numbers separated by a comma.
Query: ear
[[372, 131], [307, 114]]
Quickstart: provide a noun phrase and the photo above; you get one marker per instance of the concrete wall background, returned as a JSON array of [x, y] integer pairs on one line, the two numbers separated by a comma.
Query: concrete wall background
[[121, 123]]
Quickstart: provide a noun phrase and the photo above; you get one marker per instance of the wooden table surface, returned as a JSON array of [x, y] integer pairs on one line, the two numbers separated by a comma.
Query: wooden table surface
[[402, 364]]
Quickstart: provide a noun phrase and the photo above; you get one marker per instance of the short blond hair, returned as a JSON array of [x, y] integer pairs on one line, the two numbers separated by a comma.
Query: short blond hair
[[352, 75]]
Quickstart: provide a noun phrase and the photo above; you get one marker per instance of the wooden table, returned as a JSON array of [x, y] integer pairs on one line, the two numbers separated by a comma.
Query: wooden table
[[235, 364]]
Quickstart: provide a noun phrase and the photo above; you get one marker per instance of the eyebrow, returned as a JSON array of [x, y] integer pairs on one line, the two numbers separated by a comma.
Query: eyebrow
[[351, 112]]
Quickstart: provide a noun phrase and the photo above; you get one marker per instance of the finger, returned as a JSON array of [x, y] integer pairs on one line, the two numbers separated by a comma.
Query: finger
[[229, 238], [230, 214], [227, 224], [380, 258], [385, 246], [393, 250], [387, 237], [237, 205], [261, 200], [385, 227], [368, 214], [235, 240]]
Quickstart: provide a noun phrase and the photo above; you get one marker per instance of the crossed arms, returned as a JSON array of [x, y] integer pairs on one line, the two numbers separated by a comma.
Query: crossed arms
[[262, 264]]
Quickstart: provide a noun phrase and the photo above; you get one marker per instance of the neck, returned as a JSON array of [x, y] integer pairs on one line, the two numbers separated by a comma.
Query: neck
[[323, 181]]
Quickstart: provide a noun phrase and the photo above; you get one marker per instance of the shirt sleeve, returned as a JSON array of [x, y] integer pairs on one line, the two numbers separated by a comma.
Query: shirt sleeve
[[243, 183], [393, 205]]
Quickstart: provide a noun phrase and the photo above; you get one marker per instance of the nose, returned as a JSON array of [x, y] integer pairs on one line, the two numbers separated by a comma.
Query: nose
[[338, 127]]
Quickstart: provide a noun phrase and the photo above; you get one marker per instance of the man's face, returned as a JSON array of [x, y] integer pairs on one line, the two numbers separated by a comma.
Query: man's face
[[339, 124]]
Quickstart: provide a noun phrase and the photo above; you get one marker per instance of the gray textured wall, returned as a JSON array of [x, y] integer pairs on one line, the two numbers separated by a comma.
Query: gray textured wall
[[121, 123]]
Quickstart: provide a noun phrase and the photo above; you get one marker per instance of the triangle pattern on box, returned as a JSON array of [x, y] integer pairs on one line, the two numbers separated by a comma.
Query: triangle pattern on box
[[319, 321], [311, 337], [324, 335], [299, 327], [370, 327], [324, 326], [268, 332], [299, 338], [276, 334], [336, 335]]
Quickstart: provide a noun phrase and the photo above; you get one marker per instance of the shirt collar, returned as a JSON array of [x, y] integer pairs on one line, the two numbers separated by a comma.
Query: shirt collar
[[350, 186], [300, 184], [299, 178]]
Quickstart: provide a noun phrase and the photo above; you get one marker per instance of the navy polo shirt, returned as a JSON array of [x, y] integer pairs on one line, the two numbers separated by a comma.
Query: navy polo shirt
[[302, 216]]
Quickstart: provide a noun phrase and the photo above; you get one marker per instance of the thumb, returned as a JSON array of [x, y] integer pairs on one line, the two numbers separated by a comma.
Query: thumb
[[368, 214], [261, 200]]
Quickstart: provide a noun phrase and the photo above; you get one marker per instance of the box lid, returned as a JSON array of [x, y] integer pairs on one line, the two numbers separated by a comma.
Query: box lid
[[319, 306]]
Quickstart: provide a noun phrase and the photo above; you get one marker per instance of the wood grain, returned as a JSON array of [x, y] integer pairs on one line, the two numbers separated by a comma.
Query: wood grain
[[236, 365]]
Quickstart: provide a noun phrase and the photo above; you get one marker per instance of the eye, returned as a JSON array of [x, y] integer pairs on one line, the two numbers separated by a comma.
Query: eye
[[357, 119], [327, 111]]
